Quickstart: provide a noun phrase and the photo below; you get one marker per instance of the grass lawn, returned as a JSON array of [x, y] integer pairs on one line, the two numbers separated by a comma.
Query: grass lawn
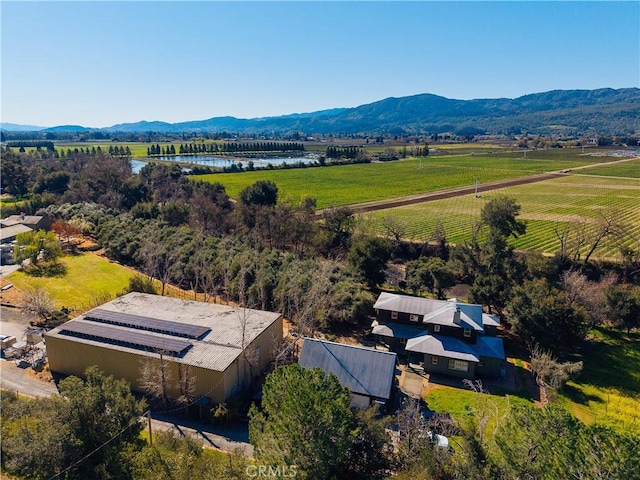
[[85, 277], [606, 392], [349, 184], [608, 389]]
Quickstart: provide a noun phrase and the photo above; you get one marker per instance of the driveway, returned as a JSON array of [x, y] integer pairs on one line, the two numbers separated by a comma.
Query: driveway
[[228, 439]]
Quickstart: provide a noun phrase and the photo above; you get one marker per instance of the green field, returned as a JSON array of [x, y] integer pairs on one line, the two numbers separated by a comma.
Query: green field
[[630, 169], [608, 389], [87, 277], [349, 184], [574, 198]]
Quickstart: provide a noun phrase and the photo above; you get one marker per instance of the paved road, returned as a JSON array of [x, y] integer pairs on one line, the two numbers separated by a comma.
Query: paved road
[[23, 380]]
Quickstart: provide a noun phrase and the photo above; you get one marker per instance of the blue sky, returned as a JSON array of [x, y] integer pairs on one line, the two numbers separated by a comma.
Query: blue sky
[[101, 63]]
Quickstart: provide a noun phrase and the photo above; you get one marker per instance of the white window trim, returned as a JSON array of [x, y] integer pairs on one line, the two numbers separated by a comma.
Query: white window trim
[[414, 318], [458, 365], [467, 332], [394, 315], [436, 328], [434, 359]]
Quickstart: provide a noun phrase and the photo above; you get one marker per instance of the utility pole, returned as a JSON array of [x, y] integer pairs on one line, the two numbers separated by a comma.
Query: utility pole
[[149, 422]]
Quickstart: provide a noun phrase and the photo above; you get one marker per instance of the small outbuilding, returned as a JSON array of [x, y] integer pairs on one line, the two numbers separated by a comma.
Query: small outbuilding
[[369, 374]]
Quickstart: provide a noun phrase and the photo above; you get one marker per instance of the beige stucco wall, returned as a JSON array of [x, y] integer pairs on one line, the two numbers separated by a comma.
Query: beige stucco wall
[[71, 357]]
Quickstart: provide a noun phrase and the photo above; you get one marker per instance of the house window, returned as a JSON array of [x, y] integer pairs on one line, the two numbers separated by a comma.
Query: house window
[[413, 318], [459, 365], [403, 341], [394, 315], [436, 328], [434, 359], [467, 332]]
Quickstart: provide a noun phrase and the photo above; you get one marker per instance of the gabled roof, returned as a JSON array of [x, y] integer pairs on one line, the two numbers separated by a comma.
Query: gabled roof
[[363, 370], [491, 347], [443, 346], [397, 330], [12, 231], [19, 219], [440, 312], [490, 320]]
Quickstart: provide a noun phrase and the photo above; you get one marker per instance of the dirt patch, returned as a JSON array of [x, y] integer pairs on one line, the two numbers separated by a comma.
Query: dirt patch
[[43, 375], [11, 296]]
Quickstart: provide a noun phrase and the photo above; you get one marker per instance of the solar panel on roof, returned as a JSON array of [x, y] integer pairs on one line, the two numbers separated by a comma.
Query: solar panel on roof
[[146, 323], [125, 338]]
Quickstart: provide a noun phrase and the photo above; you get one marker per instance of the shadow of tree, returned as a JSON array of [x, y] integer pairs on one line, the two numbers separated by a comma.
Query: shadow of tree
[[578, 396], [47, 270]]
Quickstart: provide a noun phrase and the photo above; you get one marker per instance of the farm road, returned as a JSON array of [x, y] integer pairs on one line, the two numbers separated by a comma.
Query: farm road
[[448, 193], [459, 191]]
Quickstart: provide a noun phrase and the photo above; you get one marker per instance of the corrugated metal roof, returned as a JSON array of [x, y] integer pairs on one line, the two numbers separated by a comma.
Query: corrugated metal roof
[[490, 320], [443, 347], [215, 351], [491, 347], [363, 370], [440, 312], [397, 330], [13, 230]]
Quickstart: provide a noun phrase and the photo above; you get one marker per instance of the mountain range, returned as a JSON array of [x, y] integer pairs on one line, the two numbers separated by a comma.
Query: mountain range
[[602, 111]]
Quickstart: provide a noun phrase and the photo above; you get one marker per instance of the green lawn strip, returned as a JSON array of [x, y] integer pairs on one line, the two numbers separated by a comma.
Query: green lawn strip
[[87, 277], [608, 389], [462, 403]]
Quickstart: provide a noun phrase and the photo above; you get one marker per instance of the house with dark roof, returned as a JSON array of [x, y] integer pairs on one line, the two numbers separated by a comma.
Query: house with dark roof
[[34, 222], [448, 337], [369, 374]]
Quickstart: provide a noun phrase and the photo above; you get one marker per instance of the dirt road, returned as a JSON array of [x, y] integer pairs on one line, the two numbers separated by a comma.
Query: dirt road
[[365, 207]]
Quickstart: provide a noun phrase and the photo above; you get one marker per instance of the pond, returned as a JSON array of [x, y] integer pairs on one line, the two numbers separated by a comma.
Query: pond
[[213, 161]]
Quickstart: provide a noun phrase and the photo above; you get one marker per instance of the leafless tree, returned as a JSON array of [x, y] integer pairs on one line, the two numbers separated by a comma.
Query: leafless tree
[[159, 261], [550, 373], [562, 231], [579, 238], [608, 225], [395, 228], [588, 294], [243, 314], [156, 378], [37, 301], [410, 427], [187, 385], [485, 410]]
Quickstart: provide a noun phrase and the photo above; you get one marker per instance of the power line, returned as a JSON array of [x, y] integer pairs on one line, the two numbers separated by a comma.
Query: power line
[[98, 448]]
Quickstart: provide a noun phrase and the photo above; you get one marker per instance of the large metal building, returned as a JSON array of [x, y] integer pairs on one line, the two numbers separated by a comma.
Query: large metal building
[[215, 348]]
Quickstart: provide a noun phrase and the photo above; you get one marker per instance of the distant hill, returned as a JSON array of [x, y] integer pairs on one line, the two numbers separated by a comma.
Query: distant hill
[[603, 111], [15, 127], [68, 128]]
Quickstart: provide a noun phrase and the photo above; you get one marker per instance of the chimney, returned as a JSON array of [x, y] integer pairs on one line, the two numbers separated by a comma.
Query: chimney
[[456, 316]]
